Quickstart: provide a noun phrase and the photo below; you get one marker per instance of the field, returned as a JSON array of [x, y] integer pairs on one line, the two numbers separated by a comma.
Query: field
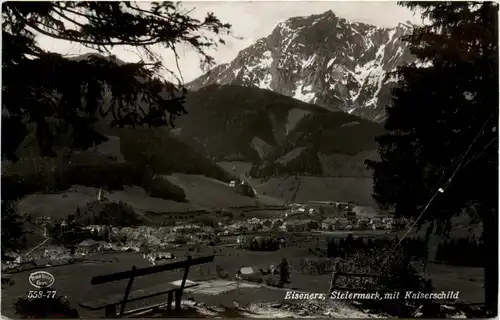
[[469, 281], [306, 188], [201, 193], [211, 193], [309, 188], [59, 205]]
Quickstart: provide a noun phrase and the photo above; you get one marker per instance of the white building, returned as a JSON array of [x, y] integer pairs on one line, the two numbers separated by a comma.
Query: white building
[[365, 211]]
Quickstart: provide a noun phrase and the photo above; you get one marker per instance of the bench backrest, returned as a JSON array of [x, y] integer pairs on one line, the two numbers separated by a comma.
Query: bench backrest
[[150, 270]]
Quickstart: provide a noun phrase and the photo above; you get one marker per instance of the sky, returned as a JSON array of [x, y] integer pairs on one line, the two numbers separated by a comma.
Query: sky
[[250, 21]]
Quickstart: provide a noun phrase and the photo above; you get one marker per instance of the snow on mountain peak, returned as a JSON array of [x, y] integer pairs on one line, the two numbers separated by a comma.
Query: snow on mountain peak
[[321, 59]]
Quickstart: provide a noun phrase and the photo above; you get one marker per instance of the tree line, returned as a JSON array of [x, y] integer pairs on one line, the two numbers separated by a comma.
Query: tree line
[[313, 265], [464, 252], [414, 247], [263, 244]]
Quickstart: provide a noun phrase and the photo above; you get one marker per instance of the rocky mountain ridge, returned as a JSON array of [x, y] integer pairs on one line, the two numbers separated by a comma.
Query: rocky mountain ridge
[[321, 59]]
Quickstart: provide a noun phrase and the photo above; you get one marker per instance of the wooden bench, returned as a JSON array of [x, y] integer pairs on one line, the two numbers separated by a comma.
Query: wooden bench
[[109, 304]]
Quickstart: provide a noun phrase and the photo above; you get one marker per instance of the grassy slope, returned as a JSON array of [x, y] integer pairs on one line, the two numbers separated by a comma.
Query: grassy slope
[[306, 188], [336, 145], [223, 120], [144, 151]]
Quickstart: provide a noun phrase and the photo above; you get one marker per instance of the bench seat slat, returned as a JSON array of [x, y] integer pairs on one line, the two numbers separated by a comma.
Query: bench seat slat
[[143, 309], [134, 295], [150, 270], [110, 303]]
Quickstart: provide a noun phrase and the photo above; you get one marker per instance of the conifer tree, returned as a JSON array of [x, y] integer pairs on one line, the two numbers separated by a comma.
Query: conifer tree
[[442, 125], [13, 233], [45, 89]]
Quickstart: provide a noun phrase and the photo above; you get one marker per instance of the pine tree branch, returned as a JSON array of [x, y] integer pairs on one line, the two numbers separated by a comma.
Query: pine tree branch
[[62, 15], [32, 25], [87, 16]]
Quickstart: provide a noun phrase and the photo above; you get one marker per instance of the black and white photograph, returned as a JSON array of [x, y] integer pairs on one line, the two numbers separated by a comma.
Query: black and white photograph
[[249, 159]]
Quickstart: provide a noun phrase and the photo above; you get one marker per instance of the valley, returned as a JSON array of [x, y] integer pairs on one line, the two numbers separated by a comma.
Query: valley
[[322, 155]]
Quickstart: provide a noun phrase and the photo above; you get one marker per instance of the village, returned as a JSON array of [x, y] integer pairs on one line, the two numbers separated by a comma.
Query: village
[[230, 228]]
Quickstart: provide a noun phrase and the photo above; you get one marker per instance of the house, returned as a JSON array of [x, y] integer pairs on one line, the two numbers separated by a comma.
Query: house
[[375, 223], [400, 223], [100, 195], [313, 211], [328, 208], [350, 215], [328, 224], [241, 240], [88, 246], [157, 256], [187, 229], [144, 248], [245, 189], [249, 274], [312, 225], [296, 226], [45, 224], [365, 211], [341, 206], [387, 220], [387, 223], [274, 269], [270, 270], [40, 221], [342, 224], [321, 203], [104, 246], [298, 210], [246, 270], [363, 223]]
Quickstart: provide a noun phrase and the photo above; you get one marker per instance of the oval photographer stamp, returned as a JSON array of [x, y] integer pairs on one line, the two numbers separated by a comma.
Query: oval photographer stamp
[[41, 279]]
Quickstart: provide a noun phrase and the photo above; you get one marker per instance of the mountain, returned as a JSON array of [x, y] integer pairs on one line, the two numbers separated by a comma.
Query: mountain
[[277, 134], [321, 59]]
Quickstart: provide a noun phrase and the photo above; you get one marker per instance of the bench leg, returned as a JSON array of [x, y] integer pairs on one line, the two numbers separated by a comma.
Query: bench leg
[[170, 300], [110, 311], [178, 298]]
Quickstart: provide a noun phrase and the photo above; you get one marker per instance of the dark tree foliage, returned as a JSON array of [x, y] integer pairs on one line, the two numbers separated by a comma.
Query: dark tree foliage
[[462, 252], [284, 273], [442, 125], [39, 86], [46, 307], [415, 248], [263, 244], [13, 234], [7, 282]]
